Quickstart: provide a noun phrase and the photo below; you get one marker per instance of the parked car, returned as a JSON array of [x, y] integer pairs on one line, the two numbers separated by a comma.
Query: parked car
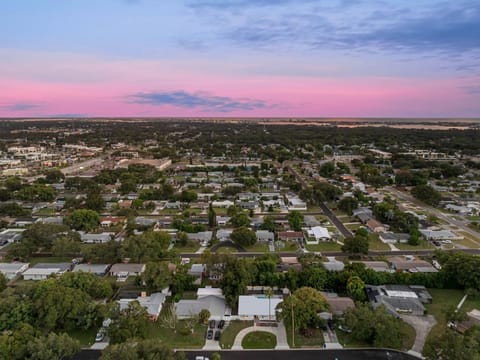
[[210, 334], [100, 336], [437, 243], [199, 357], [344, 329], [331, 324], [211, 324], [217, 335], [221, 324]]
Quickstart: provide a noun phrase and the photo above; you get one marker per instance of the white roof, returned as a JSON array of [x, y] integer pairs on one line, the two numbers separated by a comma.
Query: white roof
[[37, 271], [400, 293], [12, 267], [251, 305], [319, 232], [152, 303], [207, 291]]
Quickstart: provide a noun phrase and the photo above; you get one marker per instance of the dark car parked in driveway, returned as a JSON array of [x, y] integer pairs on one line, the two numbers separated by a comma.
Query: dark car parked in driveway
[[211, 324], [221, 324], [217, 335], [210, 334]]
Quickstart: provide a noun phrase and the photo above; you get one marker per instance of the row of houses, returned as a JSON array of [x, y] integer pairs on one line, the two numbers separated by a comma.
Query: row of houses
[[42, 271]]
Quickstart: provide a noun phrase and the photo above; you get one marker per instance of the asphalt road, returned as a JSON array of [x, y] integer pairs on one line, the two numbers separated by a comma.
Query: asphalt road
[[449, 219], [373, 354], [349, 354], [327, 212]]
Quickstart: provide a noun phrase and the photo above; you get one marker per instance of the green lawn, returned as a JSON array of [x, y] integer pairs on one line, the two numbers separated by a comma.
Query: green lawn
[[257, 247], [191, 247], [422, 245], [85, 337], [316, 340], [226, 250], [45, 212], [468, 240], [175, 339], [353, 226], [473, 218], [376, 243], [325, 246], [441, 299], [288, 246], [259, 340], [50, 260], [231, 331]]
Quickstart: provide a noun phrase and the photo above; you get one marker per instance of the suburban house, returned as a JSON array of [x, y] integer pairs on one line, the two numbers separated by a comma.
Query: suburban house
[[197, 271], [363, 214], [394, 238], [439, 235], [222, 203], [224, 234], [96, 238], [145, 222], [126, 270], [214, 303], [258, 307], [265, 236], [96, 269], [24, 221], [379, 266], [399, 299], [51, 220], [290, 235], [11, 270], [333, 264], [295, 203], [317, 234], [153, 303], [411, 265], [107, 221], [338, 304], [10, 236], [42, 271], [375, 226], [310, 221], [202, 237], [289, 262], [222, 220]]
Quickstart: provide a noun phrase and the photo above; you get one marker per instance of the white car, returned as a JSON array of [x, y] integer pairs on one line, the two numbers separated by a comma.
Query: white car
[[199, 357]]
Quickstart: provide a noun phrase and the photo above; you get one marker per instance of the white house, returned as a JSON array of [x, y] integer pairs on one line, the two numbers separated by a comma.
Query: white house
[[10, 270], [317, 234], [257, 307], [295, 203], [153, 303], [39, 273]]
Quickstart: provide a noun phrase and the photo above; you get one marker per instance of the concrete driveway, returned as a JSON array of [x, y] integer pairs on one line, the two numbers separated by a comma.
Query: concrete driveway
[[278, 331], [422, 326]]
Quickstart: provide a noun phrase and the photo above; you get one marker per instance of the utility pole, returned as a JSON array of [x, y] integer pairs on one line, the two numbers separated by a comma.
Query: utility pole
[[293, 326]]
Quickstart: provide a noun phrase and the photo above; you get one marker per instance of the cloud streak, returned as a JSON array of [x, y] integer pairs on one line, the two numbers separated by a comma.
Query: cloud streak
[[198, 100], [449, 28], [19, 107]]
